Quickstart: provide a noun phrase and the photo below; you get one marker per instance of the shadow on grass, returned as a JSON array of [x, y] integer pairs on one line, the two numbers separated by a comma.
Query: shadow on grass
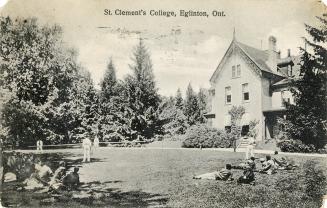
[[95, 193], [89, 194]]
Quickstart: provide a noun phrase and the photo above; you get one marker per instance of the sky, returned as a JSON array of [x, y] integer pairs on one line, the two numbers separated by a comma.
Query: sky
[[183, 50]]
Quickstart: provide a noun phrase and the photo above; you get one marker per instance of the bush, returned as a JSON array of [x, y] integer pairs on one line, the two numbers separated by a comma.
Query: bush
[[201, 135], [314, 180], [293, 145]]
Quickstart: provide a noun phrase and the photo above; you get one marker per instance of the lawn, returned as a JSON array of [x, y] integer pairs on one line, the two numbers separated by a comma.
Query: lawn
[[142, 177]]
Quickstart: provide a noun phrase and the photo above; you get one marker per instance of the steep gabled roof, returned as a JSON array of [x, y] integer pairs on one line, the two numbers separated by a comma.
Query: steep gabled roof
[[258, 57]]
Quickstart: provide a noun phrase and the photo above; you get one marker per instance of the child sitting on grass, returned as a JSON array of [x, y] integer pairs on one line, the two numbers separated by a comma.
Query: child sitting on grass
[[224, 174], [268, 166], [247, 177]]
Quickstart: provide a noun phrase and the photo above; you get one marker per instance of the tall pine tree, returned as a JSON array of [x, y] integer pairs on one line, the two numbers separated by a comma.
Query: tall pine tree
[[109, 83], [179, 103], [141, 94], [112, 121], [202, 102], [307, 118], [191, 107]]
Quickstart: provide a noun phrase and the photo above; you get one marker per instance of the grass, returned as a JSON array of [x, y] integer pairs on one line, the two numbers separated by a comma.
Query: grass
[[163, 178]]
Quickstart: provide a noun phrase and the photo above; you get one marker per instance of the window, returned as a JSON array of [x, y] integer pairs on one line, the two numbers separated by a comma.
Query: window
[[228, 95], [233, 72], [245, 92], [238, 74]]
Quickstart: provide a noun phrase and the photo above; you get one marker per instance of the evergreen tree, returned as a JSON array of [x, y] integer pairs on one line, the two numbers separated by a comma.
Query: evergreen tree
[[113, 114], [191, 107], [109, 83], [307, 118], [202, 102], [173, 118], [179, 103], [141, 94]]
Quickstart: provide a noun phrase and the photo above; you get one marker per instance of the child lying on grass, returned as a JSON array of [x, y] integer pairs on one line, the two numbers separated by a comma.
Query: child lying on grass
[[224, 174], [283, 164], [249, 163]]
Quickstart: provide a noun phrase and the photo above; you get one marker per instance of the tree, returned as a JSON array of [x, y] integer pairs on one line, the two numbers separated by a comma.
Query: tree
[[141, 94], [112, 107], [307, 117], [236, 113], [202, 102], [109, 83], [173, 118], [179, 103], [44, 80], [191, 107]]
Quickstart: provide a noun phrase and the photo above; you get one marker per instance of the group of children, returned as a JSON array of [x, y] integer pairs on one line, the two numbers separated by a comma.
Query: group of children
[[268, 166], [34, 174]]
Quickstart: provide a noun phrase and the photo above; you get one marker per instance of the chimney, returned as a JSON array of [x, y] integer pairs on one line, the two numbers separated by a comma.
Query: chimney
[[288, 52], [272, 54]]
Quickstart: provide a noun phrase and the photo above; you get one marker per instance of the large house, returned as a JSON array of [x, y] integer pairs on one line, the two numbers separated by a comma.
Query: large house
[[257, 79]]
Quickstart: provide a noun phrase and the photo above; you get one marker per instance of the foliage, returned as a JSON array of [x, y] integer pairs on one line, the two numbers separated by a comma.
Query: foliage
[[201, 135], [141, 95], [314, 180], [191, 106], [236, 113], [113, 114], [50, 95], [173, 118], [195, 105], [179, 102], [308, 115], [202, 103], [293, 145], [253, 131]]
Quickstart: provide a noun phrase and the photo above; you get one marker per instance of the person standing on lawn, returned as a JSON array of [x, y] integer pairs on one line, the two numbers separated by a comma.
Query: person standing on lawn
[[39, 145], [87, 149], [96, 142], [250, 147]]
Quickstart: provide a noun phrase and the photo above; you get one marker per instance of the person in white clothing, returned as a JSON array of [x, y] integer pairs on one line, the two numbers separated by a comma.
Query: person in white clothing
[[250, 147], [87, 149], [96, 142], [39, 145]]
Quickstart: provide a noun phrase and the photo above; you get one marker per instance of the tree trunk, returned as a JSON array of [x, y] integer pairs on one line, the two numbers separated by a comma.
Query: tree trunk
[[234, 145]]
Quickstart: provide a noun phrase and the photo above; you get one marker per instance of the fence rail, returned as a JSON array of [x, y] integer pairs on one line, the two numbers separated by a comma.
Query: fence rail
[[100, 144]]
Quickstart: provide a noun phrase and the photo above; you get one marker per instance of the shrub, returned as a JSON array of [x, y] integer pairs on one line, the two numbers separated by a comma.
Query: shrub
[[314, 180], [293, 145], [201, 135]]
